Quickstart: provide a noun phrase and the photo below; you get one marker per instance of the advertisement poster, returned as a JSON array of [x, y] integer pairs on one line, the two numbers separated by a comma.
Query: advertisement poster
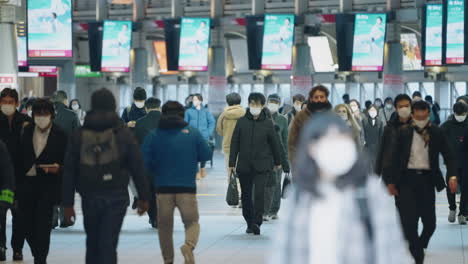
[[278, 37], [22, 51], [50, 28], [321, 54], [116, 45], [44, 71], [84, 71], [301, 85], [411, 52], [369, 42], [433, 43], [455, 32], [161, 56], [194, 44]]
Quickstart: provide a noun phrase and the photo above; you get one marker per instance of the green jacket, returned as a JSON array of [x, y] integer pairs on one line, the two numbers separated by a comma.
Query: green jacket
[[281, 126]]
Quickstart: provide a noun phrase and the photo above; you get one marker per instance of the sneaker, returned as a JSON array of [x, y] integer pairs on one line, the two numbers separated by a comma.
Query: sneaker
[[2, 254], [256, 230], [461, 220], [452, 216], [18, 256], [187, 252], [249, 230], [203, 172]]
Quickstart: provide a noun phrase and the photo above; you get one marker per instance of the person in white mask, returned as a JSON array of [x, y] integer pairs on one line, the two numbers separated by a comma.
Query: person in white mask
[[455, 130], [137, 110], [39, 188], [355, 107], [414, 175], [298, 101], [386, 112], [345, 113], [75, 106], [332, 183], [373, 130], [254, 154]]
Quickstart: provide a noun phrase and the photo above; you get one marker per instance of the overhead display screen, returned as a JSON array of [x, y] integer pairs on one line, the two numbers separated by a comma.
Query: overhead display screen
[[50, 28], [411, 52], [369, 42], [22, 51], [161, 56], [433, 33], [455, 53], [116, 45], [194, 44], [278, 37], [321, 54]]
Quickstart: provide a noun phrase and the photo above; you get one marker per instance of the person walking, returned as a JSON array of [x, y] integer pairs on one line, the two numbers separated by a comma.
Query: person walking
[[137, 110], [298, 100], [345, 113], [75, 106], [171, 154], [386, 112], [373, 130], [255, 152], [200, 118], [100, 159]]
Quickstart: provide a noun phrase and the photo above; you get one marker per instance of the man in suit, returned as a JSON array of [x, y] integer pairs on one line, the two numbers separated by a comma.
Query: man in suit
[[415, 174], [143, 127]]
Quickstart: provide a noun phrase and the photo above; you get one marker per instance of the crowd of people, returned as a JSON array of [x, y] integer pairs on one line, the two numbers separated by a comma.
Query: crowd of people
[[339, 158]]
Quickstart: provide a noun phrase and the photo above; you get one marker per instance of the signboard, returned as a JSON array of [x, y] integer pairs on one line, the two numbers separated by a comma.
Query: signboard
[[455, 50], [8, 80], [84, 71], [116, 45], [161, 56], [50, 28], [22, 51], [44, 71], [278, 37], [321, 54], [369, 42], [411, 52], [433, 33], [194, 44]]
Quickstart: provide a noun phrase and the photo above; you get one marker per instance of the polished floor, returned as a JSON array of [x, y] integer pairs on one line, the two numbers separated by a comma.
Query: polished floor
[[223, 240]]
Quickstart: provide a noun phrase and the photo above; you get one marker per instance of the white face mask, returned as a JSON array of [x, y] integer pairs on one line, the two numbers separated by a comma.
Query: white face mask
[[75, 107], [42, 121], [255, 111], [140, 104], [389, 106], [8, 109], [298, 107], [196, 103], [343, 116], [460, 118], [30, 113], [421, 123], [404, 112], [373, 113], [334, 154], [273, 107], [354, 108]]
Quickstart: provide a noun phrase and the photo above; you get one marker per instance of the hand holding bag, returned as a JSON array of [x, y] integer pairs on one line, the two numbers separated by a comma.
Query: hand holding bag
[[286, 186], [232, 195]]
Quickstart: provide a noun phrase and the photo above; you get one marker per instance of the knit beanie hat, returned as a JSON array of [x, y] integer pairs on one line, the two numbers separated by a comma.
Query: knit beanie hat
[[139, 94]]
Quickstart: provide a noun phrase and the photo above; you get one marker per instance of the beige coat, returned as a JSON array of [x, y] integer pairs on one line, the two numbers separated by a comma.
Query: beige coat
[[295, 128], [227, 122]]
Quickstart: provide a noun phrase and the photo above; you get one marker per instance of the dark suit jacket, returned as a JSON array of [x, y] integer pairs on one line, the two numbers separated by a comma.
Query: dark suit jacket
[[54, 152], [401, 150], [146, 124], [66, 119]]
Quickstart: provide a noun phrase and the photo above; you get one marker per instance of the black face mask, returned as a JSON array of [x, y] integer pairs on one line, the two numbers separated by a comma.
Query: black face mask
[[319, 106]]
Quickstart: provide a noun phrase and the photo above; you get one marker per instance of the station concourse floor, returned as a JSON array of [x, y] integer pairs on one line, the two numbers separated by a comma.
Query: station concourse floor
[[223, 239]]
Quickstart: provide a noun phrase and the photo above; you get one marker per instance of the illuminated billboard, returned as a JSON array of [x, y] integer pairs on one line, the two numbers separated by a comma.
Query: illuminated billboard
[[194, 44], [116, 46], [278, 37], [433, 35], [411, 52]]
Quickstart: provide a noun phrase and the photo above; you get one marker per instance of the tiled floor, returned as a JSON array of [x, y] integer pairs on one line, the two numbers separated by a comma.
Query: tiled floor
[[223, 240]]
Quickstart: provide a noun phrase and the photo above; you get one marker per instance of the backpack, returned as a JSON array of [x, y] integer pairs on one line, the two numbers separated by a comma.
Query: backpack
[[100, 161]]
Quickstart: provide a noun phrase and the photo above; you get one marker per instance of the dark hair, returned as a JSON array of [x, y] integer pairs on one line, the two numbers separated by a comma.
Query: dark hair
[[10, 93], [298, 97], [72, 101], [356, 101], [401, 97], [377, 99], [42, 106], [199, 96], [319, 88], [103, 100], [388, 99], [368, 103], [428, 99], [380, 18], [59, 96], [152, 103], [139, 94], [173, 108], [464, 98], [307, 172], [233, 99], [29, 102], [460, 108], [420, 105], [417, 93], [257, 98]]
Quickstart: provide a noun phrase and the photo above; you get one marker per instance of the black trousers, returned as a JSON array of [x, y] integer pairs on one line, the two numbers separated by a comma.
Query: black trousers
[[253, 196], [17, 236], [451, 197], [153, 210], [416, 200]]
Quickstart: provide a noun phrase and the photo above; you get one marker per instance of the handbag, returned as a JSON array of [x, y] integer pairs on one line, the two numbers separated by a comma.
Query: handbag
[[232, 195], [286, 186]]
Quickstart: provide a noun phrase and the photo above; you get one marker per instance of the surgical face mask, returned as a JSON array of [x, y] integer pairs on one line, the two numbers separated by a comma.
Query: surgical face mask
[[460, 118], [273, 107], [421, 123], [389, 106], [140, 104], [8, 109], [354, 108], [404, 112], [298, 107], [255, 111], [343, 115], [75, 107], [30, 113], [42, 121], [196, 103], [335, 155], [373, 113]]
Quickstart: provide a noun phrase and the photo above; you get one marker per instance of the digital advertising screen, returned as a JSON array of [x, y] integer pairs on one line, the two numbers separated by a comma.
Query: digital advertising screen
[[411, 52], [116, 46], [455, 38], [84, 71], [161, 56], [50, 28], [433, 35], [44, 71], [22, 46], [278, 37], [369, 42], [321, 54], [194, 44]]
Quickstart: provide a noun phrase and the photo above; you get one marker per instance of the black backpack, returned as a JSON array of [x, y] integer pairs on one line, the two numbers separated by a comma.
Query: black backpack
[[100, 162]]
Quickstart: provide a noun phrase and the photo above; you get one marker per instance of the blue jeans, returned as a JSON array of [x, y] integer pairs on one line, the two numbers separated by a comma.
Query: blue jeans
[[103, 218]]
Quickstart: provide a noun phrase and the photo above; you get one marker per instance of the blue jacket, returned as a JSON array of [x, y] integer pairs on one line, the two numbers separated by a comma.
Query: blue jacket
[[202, 120], [171, 154]]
